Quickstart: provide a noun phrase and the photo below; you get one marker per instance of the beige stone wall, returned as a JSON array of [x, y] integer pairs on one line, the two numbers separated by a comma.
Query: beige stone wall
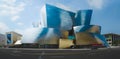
[[15, 37]]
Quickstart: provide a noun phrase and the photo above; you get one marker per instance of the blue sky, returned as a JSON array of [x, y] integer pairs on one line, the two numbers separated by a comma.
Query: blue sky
[[18, 15]]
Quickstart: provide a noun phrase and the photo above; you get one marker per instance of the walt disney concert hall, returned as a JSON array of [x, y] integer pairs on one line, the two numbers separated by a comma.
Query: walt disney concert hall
[[66, 29]]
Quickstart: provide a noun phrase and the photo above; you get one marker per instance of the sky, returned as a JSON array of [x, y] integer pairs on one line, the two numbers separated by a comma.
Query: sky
[[19, 15]]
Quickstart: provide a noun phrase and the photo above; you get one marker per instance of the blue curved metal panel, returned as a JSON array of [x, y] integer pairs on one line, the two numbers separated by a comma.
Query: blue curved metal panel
[[47, 35], [58, 18], [102, 38], [83, 17]]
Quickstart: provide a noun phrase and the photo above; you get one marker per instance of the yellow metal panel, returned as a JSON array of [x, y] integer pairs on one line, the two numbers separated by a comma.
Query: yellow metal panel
[[64, 34], [99, 41], [52, 40], [95, 29], [65, 43], [83, 38]]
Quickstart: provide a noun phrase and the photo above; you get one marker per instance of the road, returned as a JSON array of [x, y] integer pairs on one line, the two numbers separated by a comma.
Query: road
[[29, 53]]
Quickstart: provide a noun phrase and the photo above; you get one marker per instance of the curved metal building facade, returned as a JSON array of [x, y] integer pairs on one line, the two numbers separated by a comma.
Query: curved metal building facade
[[58, 23]]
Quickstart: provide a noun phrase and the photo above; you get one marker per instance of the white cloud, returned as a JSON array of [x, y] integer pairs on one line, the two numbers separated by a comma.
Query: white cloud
[[9, 1], [20, 24], [29, 34], [14, 18], [96, 3], [3, 28], [11, 8], [62, 6]]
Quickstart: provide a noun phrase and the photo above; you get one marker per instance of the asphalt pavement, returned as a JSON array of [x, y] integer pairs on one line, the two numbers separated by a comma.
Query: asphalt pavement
[[32, 53]]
